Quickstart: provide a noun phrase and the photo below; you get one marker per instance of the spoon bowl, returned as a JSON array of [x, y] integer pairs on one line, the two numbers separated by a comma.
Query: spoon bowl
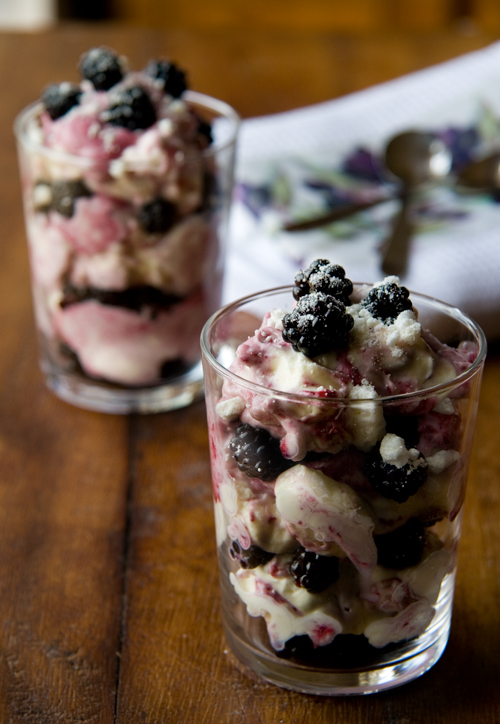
[[417, 157]]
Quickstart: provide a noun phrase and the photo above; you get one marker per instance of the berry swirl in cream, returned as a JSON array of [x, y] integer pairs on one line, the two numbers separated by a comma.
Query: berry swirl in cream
[[338, 502], [122, 215]]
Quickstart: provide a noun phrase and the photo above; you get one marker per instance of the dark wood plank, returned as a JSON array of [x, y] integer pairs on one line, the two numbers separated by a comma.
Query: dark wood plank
[[172, 574], [318, 15], [272, 71], [257, 72], [63, 481], [62, 518], [63, 477]]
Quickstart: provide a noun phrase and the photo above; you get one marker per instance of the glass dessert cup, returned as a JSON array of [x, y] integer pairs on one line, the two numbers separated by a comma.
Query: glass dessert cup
[[384, 618], [115, 346]]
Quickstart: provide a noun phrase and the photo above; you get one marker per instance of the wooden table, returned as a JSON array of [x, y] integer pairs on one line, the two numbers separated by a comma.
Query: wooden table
[[109, 604]]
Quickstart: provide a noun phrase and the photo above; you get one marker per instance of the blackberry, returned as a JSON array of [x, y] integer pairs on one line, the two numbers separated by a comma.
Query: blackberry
[[209, 191], [405, 426], [314, 572], [298, 647], [258, 453], [59, 98], [171, 76], [387, 301], [344, 652], [319, 323], [322, 281], [249, 557], [392, 482], [64, 195], [174, 368], [134, 298], [402, 547], [132, 109], [102, 67], [323, 276], [156, 216], [302, 287], [205, 131]]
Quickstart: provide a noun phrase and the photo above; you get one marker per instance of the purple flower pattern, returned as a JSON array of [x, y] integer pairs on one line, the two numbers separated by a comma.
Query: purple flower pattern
[[360, 173]]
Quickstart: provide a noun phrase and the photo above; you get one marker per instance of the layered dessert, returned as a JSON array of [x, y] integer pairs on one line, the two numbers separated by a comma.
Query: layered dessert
[[339, 451], [123, 210]]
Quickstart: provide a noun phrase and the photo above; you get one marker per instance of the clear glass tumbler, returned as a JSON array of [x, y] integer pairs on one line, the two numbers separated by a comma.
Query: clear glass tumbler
[[330, 585], [119, 310]]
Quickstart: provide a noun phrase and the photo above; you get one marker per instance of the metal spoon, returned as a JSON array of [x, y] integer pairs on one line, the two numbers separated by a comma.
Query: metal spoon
[[416, 158], [336, 214], [409, 149]]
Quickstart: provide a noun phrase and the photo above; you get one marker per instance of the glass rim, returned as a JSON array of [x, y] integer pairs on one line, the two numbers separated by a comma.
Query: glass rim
[[309, 398], [193, 98]]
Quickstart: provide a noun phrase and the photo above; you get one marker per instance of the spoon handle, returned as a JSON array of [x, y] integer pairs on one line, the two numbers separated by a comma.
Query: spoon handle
[[340, 212], [396, 247]]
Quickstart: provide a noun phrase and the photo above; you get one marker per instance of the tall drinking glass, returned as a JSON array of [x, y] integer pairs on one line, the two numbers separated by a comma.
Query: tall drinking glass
[[331, 584], [119, 300]]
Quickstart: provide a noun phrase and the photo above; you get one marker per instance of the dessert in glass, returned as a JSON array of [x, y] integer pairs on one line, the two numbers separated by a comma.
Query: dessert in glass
[[341, 419], [126, 180]]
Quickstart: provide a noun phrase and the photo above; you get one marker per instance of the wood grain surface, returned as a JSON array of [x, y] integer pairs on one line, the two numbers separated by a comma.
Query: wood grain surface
[[330, 15], [109, 603]]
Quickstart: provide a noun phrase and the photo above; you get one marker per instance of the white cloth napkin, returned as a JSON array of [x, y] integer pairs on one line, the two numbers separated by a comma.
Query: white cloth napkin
[[456, 258]]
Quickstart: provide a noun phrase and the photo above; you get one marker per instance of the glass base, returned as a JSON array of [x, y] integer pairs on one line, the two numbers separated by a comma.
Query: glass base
[[324, 682], [357, 670], [88, 394]]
